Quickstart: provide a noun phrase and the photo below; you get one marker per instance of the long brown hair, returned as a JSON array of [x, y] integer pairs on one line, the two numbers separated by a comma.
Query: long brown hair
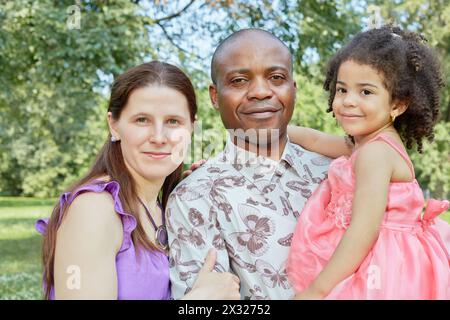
[[110, 162]]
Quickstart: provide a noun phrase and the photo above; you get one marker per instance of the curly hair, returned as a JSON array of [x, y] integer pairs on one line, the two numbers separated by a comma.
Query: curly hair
[[411, 73]]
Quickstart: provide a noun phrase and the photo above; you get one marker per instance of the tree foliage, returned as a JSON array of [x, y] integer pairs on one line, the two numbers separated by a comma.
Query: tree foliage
[[56, 74], [51, 104]]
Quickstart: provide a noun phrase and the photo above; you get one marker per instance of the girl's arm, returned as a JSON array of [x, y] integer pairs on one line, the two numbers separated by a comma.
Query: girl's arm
[[87, 242], [373, 169], [320, 142]]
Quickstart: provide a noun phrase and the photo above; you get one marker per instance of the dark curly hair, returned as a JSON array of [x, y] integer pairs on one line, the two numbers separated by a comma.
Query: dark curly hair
[[411, 73]]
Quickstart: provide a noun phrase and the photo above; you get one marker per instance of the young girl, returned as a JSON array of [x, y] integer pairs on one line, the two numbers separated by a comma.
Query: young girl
[[362, 234]]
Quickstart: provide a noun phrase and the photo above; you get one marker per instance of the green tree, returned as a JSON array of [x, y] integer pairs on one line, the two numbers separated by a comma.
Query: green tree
[[51, 104], [55, 74]]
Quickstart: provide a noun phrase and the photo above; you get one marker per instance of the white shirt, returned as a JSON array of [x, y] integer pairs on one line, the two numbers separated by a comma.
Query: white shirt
[[245, 206]]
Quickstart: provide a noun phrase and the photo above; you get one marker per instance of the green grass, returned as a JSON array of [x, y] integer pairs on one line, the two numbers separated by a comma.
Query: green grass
[[25, 202], [20, 247]]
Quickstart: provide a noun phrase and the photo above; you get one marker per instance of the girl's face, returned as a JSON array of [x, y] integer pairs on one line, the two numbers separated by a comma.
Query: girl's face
[[154, 130], [362, 104]]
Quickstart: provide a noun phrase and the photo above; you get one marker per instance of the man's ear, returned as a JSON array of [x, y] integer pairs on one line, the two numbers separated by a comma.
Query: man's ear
[[112, 127], [213, 96], [399, 108]]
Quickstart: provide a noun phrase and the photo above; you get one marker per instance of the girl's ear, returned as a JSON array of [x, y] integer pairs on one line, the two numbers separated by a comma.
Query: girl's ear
[[112, 127], [399, 108]]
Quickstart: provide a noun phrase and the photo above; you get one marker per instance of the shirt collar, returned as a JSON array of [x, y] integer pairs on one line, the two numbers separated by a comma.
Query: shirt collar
[[292, 154], [256, 166]]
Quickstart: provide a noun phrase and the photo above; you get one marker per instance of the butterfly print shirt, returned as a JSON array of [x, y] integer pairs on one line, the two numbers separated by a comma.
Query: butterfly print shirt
[[246, 207]]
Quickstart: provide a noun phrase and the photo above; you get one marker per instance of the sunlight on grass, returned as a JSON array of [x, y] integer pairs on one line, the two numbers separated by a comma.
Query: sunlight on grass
[[18, 222], [20, 247], [21, 286]]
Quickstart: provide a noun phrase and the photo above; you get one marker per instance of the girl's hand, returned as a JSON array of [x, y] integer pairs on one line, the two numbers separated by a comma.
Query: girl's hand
[[211, 285], [193, 167], [309, 294]]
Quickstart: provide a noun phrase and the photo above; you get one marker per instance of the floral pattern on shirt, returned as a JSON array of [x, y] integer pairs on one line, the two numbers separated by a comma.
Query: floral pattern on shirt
[[246, 207]]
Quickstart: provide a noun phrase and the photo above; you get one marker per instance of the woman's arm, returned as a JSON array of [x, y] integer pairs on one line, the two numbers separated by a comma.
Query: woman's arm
[[320, 142], [373, 169], [87, 242]]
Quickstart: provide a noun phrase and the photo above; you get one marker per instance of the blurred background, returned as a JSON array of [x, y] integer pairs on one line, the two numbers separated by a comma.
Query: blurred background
[[59, 58]]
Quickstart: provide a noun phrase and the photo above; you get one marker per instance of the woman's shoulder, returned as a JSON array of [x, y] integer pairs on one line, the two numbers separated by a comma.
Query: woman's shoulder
[[93, 203], [94, 190], [93, 200], [91, 217], [100, 192]]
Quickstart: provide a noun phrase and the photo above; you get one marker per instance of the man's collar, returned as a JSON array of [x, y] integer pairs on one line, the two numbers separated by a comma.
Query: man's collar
[[240, 158]]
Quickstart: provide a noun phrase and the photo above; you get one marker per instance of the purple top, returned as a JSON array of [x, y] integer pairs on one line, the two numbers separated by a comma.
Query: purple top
[[139, 278]]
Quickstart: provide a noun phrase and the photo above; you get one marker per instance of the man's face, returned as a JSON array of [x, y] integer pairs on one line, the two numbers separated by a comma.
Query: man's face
[[254, 87]]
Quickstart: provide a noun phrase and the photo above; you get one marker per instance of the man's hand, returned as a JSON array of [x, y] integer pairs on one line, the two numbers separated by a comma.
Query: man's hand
[[193, 167], [211, 285]]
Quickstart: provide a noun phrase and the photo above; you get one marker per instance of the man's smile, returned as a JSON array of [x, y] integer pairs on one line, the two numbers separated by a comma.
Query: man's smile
[[261, 111]]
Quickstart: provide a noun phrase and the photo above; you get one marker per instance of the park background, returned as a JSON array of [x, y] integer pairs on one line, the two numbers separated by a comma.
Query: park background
[[59, 58]]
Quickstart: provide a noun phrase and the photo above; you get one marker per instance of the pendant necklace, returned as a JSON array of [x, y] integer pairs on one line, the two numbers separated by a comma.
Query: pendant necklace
[[161, 237]]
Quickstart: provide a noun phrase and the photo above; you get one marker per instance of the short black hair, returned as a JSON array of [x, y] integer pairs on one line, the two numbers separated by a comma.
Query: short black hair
[[234, 36], [411, 73]]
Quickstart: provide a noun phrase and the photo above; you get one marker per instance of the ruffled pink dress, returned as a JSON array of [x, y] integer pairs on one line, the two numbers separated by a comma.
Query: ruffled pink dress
[[410, 259]]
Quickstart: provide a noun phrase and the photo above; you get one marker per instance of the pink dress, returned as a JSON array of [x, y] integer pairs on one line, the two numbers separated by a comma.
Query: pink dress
[[410, 259]]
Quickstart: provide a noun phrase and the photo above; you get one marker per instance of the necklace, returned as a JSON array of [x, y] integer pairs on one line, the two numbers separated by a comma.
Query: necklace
[[161, 237]]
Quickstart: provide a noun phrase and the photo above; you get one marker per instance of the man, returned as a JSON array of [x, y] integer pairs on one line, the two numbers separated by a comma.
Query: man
[[245, 201]]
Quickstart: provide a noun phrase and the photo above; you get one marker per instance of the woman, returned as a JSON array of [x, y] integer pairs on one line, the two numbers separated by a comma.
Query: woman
[[106, 237]]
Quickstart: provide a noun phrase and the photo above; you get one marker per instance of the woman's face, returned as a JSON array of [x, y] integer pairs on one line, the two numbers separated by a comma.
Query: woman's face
[[154, 130]]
